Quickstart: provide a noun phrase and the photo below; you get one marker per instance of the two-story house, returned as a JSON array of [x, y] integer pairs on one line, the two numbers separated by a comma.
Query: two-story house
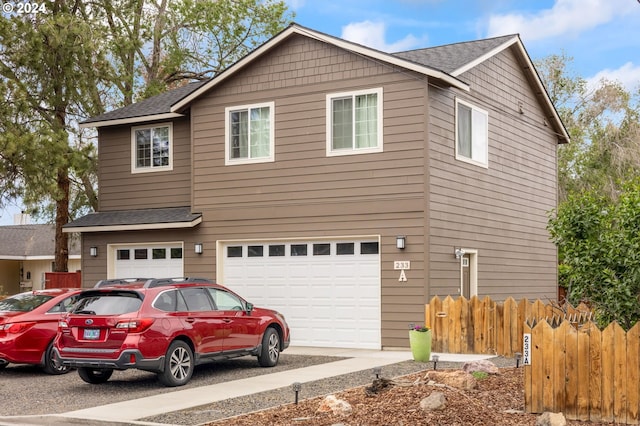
[[336, 183]]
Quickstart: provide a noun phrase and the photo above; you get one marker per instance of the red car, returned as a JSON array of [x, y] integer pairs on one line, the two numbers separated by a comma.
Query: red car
[[28, 325], [166, 326]]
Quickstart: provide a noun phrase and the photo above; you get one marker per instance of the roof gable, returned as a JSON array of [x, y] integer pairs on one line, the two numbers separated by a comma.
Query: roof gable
[[444, 63]]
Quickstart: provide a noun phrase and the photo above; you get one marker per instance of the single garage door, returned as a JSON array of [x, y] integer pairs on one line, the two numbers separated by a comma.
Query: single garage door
[[148, 261], [329, 291]]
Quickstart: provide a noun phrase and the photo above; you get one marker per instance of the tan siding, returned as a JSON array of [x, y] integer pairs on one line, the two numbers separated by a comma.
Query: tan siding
[[119, 189], [499, 211], [304, 193]]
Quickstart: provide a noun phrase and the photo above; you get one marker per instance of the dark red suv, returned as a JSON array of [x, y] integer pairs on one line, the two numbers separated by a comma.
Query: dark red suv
[[166, 326]]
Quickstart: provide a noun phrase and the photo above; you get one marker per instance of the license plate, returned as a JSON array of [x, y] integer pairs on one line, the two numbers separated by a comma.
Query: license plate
[[91, 334]]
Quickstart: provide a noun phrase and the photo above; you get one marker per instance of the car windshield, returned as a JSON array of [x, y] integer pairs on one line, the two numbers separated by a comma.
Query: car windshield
[[23, 302], [111, 303]]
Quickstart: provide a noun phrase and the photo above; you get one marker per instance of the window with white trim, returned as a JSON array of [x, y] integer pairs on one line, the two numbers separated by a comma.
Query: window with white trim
[[249, 133], [472, 134], [354, 122], [151, 148]]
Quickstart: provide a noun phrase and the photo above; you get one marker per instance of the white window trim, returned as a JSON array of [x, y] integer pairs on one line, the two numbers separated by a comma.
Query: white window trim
[[473, 272], [461, 157], [151, 169], [228, 161], [329, 123]]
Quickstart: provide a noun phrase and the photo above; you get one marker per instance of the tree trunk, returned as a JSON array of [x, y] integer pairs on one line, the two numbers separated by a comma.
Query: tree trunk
[[62, 218]]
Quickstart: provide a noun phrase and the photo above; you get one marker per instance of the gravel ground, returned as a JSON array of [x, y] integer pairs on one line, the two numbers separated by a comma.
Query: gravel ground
[[26, 390], [233, 407]]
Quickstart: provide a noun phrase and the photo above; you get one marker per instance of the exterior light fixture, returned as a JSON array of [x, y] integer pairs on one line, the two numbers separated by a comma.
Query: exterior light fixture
[[297, 387], [198, 248], [401, 242], [377, 371], [459, 253], [435, 359], [518, 358], [93, 251]]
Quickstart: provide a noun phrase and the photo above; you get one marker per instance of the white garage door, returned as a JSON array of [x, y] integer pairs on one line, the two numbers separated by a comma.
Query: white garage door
[[148, 261], [329, 291]]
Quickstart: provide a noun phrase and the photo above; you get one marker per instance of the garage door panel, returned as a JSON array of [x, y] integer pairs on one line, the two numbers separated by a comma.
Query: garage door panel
[[330, 300]]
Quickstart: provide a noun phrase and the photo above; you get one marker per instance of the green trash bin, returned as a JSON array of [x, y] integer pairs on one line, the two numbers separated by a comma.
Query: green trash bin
[[420, 342]]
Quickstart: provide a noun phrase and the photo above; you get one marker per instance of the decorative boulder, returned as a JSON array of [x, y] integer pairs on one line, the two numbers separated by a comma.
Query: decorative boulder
[[551, 419], [435, 401], [482, 365], [335, 406], [457, 379]]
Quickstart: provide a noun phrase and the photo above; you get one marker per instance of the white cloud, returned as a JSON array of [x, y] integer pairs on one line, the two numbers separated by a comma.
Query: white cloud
[[372, 34], [566, 17], [628, 75]]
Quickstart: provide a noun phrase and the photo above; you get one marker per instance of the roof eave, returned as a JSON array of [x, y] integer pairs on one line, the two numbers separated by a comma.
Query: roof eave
[[131, 120], [134, 227]]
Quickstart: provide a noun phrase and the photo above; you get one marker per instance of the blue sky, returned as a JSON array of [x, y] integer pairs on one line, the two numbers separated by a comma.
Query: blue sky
[[602, 36]]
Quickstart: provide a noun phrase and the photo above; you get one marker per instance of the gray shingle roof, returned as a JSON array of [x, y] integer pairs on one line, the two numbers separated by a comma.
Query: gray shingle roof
[[159, 104], [451, 57], [446, 58], [31, 240], [135, 217]]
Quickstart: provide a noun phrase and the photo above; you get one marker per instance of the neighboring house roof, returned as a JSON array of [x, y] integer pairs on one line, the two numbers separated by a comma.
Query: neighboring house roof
[[130, 220], [444, 63], [32, 242]]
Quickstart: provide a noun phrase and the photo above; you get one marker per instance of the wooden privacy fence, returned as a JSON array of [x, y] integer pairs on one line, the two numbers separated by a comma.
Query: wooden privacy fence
[[482, 326], [63, 279], [583, 372]]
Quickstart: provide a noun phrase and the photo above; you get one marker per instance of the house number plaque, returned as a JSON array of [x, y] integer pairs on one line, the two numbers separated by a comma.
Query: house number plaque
[[402, 265]]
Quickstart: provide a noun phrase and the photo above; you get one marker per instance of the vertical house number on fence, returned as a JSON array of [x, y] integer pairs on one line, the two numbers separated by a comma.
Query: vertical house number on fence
[[526, 349], [402, 265]]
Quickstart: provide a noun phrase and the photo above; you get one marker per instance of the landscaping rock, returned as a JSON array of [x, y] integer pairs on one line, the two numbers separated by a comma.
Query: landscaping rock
[[482, 365], [551, 419], [335, 406], [435, 401], [458, 379]]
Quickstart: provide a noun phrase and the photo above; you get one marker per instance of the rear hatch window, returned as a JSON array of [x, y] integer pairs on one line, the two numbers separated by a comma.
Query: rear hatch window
[[108, 303]]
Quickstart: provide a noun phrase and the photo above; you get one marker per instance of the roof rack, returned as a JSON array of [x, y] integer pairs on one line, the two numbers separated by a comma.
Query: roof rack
[[120, 281], [151, 283]]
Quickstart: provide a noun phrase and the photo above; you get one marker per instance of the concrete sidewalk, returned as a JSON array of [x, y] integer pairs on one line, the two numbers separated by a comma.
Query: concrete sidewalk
[[128, 412]]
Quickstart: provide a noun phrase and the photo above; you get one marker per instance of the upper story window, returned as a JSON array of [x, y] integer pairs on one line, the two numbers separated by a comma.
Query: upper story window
[[472, 128], [354, 122], [249, 134], [151, 148]]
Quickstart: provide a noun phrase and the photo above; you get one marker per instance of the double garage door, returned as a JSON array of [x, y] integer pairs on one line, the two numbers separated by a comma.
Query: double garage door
[[329, 291]]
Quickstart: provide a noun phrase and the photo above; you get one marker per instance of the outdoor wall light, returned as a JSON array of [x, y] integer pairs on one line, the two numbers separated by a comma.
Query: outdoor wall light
[[198, 248], [459, 253], [93, 251], [401, 242]]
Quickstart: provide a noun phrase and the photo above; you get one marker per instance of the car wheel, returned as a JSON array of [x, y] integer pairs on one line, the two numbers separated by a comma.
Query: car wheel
[[50, 364], [178, 365], [94, 376], [270, 353]]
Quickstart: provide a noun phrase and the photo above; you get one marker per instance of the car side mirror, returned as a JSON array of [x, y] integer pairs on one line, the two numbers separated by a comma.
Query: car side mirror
[[249, 308]]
